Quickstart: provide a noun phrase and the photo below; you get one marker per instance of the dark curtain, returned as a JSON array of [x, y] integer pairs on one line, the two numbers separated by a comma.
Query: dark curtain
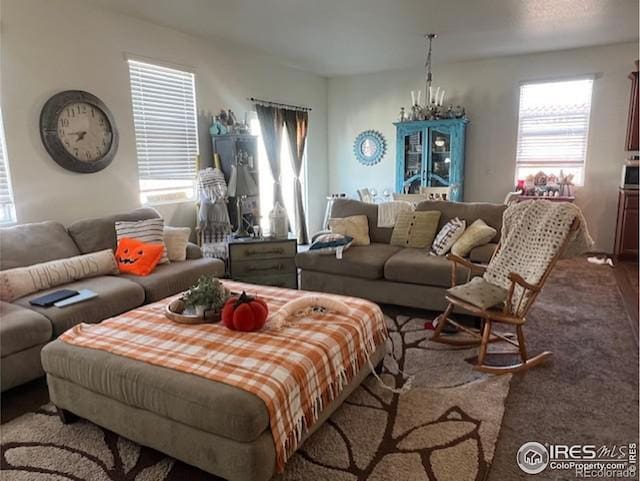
[[271, 124], [296, 123]]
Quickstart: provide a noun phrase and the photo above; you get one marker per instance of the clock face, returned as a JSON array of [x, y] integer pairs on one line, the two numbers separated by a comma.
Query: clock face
[[78, 131], [84, 131]]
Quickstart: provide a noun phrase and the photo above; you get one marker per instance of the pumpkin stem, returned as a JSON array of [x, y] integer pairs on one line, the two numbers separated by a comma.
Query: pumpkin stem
[[243, 299]]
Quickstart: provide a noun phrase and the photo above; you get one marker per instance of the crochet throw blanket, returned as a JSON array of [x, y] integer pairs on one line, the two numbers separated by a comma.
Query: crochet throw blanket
[[388, 212], [296, 369], [532, 234]]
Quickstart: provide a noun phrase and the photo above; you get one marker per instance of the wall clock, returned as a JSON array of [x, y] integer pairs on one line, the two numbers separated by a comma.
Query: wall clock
[[78, 131], [369, 147]]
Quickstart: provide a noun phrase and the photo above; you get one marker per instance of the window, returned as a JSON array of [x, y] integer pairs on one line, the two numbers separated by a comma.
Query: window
[[166, 129], [266, 179], [553, 127], [7, 207]]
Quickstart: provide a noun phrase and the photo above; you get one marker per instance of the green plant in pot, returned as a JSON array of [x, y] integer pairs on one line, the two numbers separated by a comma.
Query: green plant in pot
[[208, 294]]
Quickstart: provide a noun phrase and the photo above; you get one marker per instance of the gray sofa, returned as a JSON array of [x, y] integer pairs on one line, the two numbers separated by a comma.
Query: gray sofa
[[25, 329], [391, 274]]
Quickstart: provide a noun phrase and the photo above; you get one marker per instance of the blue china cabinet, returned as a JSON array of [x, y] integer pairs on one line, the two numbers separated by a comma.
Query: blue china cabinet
[[430, 153]]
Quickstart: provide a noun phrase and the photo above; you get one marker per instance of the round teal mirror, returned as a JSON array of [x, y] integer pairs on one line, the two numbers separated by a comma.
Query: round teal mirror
[[369, 147]]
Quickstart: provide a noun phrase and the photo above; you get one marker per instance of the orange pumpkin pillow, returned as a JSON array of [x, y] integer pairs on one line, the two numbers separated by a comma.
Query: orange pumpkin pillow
[[139, 258]]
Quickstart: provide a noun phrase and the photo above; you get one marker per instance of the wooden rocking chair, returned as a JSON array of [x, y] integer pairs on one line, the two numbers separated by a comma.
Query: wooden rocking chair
[[516, 302]]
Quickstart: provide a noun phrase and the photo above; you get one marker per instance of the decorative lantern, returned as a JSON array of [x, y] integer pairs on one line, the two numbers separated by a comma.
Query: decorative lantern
[[278, 222]]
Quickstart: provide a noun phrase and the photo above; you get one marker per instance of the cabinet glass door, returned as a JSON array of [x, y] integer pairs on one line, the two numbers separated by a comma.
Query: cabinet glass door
[[413, 162], [439, 169]]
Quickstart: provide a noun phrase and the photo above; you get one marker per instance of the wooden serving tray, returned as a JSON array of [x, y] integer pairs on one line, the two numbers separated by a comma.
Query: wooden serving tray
[[174, 309]]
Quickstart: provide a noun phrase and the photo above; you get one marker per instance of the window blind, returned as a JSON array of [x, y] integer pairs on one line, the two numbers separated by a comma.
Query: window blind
[[7, 208], [164, 114], [553, 126]]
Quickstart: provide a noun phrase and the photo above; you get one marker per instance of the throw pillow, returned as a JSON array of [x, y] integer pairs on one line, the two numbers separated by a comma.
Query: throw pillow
[[331, 244], [356, 226], [139, 258], [415, 229], [476, 235], [150, 231], [447, 236], [176, 240], [18, 282]]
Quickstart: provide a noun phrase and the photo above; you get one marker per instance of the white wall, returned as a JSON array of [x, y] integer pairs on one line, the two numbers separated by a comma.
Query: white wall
[[489, 91], [54, 45]]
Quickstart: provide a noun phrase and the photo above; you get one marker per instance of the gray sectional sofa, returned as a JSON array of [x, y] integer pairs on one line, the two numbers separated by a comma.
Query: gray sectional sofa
[[25, 329], [391, 274]]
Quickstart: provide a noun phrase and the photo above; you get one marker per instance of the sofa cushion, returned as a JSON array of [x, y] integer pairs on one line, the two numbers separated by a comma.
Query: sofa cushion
[[26, 244], [467, 211], [169, 279], [480, 293], [366, 262], [349, 207], [99, 233], [475, 235], [416, 266], [355, 226], [415, 229], [21, 328], [115, 296]]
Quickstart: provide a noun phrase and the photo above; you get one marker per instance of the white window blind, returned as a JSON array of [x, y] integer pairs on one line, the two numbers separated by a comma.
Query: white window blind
[[7, 207], [553, 128], [164, 114]]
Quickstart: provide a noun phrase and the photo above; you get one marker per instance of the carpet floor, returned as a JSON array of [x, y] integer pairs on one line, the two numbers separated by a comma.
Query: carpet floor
[[588, 393], [445, 428]]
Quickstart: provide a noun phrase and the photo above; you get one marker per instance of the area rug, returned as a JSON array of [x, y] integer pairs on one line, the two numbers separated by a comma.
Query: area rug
[[444, 429]]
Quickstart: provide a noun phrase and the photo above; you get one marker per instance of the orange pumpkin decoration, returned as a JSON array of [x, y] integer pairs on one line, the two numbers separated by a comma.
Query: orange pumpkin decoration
[[244, 313], [136, 257]]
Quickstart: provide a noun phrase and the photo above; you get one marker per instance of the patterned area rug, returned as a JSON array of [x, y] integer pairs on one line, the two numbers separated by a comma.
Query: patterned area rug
[[443, 429]]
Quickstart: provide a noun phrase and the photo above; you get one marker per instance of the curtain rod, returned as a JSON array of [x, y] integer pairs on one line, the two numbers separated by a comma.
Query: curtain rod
[[278, 104]]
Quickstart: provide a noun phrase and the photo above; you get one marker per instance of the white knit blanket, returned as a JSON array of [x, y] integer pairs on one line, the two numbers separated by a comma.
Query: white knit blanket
[[532, 234], [388, 212]]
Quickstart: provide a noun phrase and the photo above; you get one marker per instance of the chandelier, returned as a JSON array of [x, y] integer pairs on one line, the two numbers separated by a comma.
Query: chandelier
[[433, 106]]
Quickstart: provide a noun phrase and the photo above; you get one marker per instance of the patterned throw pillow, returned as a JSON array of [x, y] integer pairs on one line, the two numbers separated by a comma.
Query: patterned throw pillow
[[356, 226], [150, 231], [415, 229], [476, 235], [331, 244], [447, 236]]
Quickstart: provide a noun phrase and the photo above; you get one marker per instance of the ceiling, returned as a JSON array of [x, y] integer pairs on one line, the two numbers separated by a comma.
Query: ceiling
[[339, 37]]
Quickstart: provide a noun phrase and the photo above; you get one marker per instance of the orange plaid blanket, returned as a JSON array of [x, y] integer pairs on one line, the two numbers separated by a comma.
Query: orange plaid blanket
[[296, 369]]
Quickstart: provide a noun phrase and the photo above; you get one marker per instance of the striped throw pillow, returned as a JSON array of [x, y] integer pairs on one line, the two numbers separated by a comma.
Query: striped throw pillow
[[150, 231], [448, 236]]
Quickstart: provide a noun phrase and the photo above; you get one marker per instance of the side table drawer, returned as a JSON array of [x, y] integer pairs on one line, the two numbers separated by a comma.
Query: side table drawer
[[257, 250], [282, 280], [263, 267]]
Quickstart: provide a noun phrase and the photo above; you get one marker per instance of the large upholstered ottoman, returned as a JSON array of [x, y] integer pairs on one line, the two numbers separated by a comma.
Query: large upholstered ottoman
[[218, 428], [215, 426]]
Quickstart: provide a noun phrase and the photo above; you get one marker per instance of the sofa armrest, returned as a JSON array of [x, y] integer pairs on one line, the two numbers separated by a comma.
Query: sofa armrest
[[482, 254], [193, 251]]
